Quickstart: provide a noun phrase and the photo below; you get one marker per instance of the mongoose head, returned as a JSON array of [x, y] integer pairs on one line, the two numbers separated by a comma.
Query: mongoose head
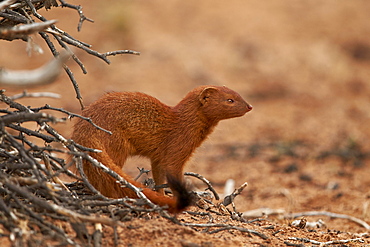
[[220, 103]]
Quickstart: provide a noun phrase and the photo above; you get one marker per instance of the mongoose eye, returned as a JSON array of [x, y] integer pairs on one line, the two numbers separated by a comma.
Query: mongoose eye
[[230, 100]]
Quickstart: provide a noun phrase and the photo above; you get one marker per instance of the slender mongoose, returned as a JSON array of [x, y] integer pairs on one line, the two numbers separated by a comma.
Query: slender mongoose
[[142, 125]]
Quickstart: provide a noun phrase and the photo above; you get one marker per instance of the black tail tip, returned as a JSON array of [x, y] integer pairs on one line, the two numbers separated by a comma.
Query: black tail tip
[[184, 197]]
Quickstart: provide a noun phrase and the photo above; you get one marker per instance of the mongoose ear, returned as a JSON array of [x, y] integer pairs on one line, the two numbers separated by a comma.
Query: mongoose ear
[[206, 94]]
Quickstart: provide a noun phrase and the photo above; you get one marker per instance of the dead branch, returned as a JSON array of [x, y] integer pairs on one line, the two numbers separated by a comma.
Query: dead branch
[[261, 212], [303, 223], [70, 115], [79, 10], [241, 229], [34, 182], [344, 241], [43, 75], [204, 180], [208, 214], [53, 207], [29, 132], [26, 94], [330, 214], [5, 4], [12, 103], [22, 31], [141, 172], [97, 235], [224, 227], [55, 179], [230, 198], [25, 117]]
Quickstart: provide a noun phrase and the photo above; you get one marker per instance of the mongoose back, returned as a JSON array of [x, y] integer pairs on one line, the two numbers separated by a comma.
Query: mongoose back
[[142, 125]]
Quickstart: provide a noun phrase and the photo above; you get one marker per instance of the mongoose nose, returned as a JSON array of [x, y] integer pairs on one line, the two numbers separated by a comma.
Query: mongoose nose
[[249, 107]]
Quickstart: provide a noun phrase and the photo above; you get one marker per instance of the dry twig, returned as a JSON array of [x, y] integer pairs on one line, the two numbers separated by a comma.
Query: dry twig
[[204, 180], [330, 214], [26, 94], [224, 227], [344, 241], [230, 198]]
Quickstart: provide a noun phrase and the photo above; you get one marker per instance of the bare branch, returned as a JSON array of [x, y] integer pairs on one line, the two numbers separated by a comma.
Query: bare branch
[[79, 10], [29, 132], [14, 17], [230, 198], [224, 227], [261, 212], [342, 241], [5, 4], [71, 115], [25, 94], [56, 208], [141, 172], [330, 214], [43, 75], [25, 117], [204, 180], [12, 103], [22, 31], [98, 234]]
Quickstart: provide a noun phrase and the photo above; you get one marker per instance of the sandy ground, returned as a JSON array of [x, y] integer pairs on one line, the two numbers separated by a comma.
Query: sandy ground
[[303, 65]]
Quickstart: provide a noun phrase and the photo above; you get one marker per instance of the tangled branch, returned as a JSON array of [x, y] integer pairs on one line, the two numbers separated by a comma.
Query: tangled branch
[[33, 196]]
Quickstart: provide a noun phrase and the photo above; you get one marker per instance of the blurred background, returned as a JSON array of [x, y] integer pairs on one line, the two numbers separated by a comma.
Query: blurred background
[[303, 65]]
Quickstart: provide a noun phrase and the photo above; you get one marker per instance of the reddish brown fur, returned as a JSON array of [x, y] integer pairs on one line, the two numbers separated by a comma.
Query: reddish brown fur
[[142, 125]]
